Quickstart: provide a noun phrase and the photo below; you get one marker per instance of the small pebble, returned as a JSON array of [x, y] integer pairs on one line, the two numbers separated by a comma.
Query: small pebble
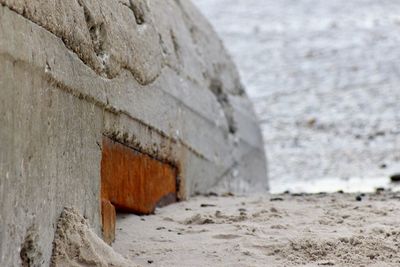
[[276, 199], [207, 205], [395, 177], [212, 194], [379, 190]]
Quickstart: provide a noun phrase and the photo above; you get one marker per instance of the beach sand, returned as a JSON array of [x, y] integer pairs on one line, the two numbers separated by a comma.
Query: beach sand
[[271, 230]]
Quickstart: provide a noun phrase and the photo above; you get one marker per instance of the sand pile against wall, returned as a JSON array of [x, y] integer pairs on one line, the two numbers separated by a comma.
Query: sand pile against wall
[[76, 244]]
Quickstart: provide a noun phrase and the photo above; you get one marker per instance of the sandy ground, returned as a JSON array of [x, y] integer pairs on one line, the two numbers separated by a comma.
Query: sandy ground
[[324, 78], [275, 230]]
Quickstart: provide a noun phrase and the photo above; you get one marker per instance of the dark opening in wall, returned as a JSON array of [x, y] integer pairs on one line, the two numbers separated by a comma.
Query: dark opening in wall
[[133, 182]]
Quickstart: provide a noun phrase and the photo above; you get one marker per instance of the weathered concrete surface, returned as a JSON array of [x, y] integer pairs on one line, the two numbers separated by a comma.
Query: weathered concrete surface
[[149, 74]]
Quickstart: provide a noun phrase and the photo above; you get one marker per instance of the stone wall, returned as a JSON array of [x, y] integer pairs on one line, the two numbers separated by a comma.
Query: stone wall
[[149, 74]]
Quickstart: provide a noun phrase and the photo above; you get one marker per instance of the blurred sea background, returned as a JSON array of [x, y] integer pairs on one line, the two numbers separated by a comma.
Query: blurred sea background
[[324, 77]]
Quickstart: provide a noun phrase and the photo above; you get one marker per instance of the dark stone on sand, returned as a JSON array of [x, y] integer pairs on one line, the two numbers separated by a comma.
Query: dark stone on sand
[[298, 194], [207, 205], [379, 190], [276, 199], [395, 178], [358, 198]]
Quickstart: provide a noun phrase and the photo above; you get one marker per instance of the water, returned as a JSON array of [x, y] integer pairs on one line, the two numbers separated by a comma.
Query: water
[[324, 77]]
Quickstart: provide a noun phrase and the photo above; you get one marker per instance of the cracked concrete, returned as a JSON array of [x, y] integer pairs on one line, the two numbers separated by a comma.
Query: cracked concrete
[[74, 72], [105, 35]]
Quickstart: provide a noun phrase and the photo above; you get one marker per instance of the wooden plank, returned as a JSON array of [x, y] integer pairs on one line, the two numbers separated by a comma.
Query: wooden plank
[[133, 181], [108, 218]]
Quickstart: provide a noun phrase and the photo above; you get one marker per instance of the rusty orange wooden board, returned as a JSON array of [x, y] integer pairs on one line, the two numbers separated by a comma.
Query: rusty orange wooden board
[[133, 181], [108, 218]]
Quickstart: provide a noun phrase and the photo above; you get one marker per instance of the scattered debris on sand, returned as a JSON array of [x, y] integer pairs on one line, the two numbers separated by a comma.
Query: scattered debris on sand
[[296, 230]]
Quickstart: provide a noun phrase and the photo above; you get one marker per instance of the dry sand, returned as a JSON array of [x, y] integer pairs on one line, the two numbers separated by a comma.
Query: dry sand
[[276, 230], [76, 245]]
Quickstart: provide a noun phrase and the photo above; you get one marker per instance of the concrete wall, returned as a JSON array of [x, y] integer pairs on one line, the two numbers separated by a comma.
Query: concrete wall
[[150, 74]]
